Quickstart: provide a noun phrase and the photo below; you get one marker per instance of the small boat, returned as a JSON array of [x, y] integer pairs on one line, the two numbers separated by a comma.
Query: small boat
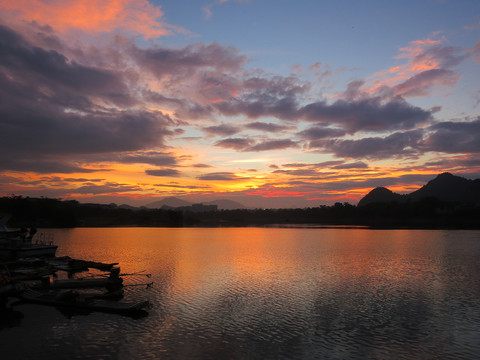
[[110, 282], [70, 265], [72, 299], [85, 283], [16, 244], [113, 294], [65, 263]]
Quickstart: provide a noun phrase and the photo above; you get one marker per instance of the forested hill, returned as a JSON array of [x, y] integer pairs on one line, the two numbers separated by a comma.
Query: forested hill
[[445, 187]]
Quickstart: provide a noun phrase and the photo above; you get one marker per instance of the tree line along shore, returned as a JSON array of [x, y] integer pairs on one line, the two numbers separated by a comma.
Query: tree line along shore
[[425, 213]]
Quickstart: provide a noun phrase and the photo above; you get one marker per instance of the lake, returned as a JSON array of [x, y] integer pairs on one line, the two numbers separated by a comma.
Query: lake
[[268, 293]]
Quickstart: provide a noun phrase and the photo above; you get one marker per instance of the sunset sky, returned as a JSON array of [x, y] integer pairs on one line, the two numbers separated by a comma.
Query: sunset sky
[[269, 103]]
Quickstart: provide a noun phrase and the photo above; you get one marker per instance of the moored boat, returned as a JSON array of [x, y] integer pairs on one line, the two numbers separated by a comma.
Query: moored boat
[[110, 282], [83, 283], [16, 244], [66, 263], [14, 252]]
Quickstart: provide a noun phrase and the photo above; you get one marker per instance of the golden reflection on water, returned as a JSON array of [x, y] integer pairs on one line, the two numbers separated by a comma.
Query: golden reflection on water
[[291, 293], [198, 260], [195, 254]]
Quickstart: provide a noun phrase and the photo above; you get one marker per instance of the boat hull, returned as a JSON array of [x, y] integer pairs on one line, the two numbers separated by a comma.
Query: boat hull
[[28, 251], [86, 283]]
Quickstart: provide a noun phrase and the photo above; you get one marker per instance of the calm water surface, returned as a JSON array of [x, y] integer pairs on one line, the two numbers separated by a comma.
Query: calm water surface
[[269, 293]]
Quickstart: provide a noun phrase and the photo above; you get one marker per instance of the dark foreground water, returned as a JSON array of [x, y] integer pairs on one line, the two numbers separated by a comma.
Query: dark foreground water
[[269, 293]]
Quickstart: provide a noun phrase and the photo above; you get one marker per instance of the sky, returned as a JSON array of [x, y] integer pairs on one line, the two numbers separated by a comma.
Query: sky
[[274, 104]]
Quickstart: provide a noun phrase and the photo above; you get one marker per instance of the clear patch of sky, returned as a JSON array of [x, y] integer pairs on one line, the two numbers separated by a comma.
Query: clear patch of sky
[[278, 34]]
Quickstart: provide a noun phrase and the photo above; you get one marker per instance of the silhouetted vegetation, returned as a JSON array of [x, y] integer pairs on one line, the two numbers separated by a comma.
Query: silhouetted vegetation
[[425, 213], [44, 212]]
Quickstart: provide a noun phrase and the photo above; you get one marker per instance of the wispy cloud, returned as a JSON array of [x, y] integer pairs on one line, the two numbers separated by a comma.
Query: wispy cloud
[[223, 130], [429, 63], [208, 9], [163, 172], [220, 176]]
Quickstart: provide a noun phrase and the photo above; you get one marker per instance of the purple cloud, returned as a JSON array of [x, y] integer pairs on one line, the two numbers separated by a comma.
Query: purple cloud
[[420, 84], [395, 145], [223, 176], [321, 132], [315, 165], [202, 166], [454, 137], [443, 56], [223, 129], [267, 127], [255, 106], [163, 172], [367, 114], [184, 62], [234, 143], [149, 157], [276, 86], [298, 172], [41, 165], [352, 114], [355, 165], [272, 145], [50, 68], [50, 109]]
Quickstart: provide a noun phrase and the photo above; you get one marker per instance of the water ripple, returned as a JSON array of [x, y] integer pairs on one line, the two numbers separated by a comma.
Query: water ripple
[[273, 294]]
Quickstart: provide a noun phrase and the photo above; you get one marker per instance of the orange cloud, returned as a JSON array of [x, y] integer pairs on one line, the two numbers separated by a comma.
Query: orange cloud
[[394, 69], [137, 16], [427, 64], [217, 100], [425, 42], [277, 193], [420, 57]]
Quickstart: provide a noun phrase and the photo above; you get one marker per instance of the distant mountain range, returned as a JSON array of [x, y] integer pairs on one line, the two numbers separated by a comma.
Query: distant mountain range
[[445, 187], [173, 202]]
